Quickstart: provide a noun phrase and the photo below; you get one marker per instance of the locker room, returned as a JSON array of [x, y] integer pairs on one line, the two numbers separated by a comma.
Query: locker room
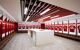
[[39, 25]]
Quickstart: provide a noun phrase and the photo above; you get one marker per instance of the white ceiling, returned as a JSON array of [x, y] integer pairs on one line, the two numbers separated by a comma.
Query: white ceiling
[[73, 5], [13, 8]]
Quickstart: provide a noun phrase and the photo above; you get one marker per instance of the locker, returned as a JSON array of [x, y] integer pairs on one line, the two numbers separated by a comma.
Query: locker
[[52, 27], [78, 27], [65, 28], [60, 27], [7, 28], [0, 29], [56, 27], [72, 27], [3, 29], [46, 26], [19, 26]]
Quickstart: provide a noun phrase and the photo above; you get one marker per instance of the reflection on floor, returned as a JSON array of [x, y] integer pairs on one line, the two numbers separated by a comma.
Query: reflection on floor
[[22, 42]]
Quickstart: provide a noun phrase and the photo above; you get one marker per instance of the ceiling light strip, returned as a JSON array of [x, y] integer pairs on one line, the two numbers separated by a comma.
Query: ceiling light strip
[[51, 13], [29, 4], [45, 11], [27, 18], [33, 6], [28, 8], [45, 8], [52, 9], [40, 8], [35, 9]]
